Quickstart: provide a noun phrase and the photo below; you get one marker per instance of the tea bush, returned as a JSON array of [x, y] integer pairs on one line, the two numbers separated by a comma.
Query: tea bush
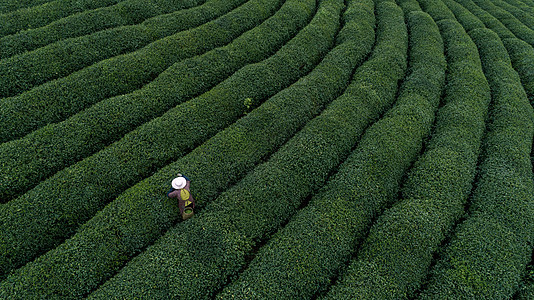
[[400, 246], [226, 153], [259, 204], [7, 6], [24, 71], [48, 154], [392, 144], [491, 248], [128, 12], [58, 99], [140, 152], [521, 14], [54, 190], [43, 14], [517, 28]]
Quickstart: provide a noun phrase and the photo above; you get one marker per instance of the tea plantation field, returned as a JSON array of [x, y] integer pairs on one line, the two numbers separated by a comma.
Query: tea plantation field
[[337, 149]]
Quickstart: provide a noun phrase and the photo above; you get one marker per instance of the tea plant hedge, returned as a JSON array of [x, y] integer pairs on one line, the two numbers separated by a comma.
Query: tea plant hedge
[[464, 16], [522, 5], [437, 9], [303, 258], [255, 122], [394, 141], [24, 71], [201, 118], [259, 204], [7, 6], [522, 56], [126, 12], [227, 153], [22, 167], [339, 149], [40, 15], [519, 29], [409, 6], [58, 99], [521, 52], [522, 15], [526, 290], [400, 246], [490, 250], [490, 21]]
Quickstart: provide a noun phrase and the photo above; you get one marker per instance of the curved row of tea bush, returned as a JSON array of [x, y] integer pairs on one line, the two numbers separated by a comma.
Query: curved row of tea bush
[[528, 2], [522, 56], [409, 6], [37, 16], [301, 260], [392, 145], [521, 53], [227, 153], [522, 15], [7, 6], [22, 72], [521, 5], [90, 130], [59, 99], [519, 29], [489, 251], [151, 146], [437, 9], [128, 12], [198, 256], [465, 17], [489, 21], [400, 246]]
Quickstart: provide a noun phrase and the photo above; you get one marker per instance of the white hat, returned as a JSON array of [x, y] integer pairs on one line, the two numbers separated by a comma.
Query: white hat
[[179, 183]]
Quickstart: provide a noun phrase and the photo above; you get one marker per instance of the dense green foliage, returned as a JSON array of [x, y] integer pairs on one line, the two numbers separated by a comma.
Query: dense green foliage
[[409, 6], [325, 163], [522, 56], [37, 16], [120, 175], [521, 53], [520, 14], [126, 12], [58, 99], [229, 153], [490, 21], [22, 72], [394, 142], [527, 288], [7, 6], [301, 259], [400, 246], [140, 152], [270, 194], [522, 5], [437, 9], [491, 248], [464, 16], [519, 29], [22, 167]]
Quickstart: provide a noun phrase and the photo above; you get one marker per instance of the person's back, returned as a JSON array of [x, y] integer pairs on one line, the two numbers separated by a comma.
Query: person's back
[[181, 190]]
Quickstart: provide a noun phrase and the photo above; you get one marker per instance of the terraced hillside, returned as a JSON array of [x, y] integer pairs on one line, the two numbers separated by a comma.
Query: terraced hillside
[[338, 149]]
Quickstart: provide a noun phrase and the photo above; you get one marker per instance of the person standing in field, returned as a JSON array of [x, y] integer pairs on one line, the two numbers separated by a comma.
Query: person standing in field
[[181, 190]]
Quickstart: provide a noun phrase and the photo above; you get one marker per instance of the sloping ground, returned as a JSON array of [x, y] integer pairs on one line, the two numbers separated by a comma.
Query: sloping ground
[[352, 149]]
